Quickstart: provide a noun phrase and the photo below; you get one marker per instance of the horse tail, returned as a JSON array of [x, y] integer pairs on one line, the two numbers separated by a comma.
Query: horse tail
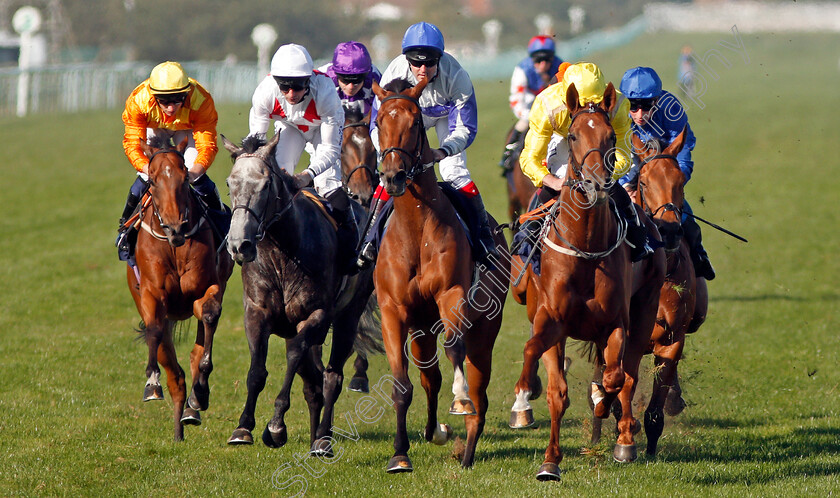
[[178, 327], [590, 351], [369, 335]]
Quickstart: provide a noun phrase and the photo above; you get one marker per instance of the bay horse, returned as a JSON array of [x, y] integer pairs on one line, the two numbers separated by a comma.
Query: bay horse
[[423, 282], [519, 187], [179, 275], [683, 300], [287, 246], [587, 289], [360, 178]]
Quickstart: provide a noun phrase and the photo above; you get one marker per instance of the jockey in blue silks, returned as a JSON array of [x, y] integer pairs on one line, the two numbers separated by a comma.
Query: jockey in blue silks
[[659, 116]]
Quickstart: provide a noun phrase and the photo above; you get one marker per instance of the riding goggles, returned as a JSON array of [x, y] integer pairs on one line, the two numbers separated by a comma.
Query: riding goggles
[[643, 104], [296, 84], [538, 57], [351, 79], [173, 99]]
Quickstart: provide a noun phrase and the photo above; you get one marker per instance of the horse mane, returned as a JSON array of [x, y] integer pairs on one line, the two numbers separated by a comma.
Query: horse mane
[[251, 143], [159, 142], [397, 85]]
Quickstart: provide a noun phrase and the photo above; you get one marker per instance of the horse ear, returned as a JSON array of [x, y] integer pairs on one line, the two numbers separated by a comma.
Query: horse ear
[[678, 143], [639, 148], [379, 91], [572, 99], [608, 104], [183, 145], [230, 146], [268, 148], [417, 89], [147, 149]]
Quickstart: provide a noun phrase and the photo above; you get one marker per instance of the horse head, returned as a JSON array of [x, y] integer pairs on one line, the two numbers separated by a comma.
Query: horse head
[[255, 194], [358, 157], [169, 188], [591, 145], [661, 187], [403, 145]]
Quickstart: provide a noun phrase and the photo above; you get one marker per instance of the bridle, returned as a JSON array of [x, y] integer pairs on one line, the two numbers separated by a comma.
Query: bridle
[[371, 171], [414, 161], [666, 207], [577, 180], [263, 219], [167, 231]]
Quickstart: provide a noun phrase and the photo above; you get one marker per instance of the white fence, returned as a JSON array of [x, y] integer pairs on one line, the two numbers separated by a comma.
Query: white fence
[[749, 16]]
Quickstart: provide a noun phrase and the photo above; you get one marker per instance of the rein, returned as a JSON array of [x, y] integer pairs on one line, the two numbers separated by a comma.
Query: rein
[[413, 157]]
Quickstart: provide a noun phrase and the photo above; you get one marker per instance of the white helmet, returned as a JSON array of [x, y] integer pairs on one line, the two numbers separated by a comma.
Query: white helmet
[[291, 61]]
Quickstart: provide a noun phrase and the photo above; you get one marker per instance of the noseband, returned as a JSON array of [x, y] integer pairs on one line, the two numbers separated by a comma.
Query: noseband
[[415, 168]]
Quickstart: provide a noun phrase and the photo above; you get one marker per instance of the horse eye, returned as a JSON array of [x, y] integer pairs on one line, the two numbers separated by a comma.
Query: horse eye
[[572, 137]]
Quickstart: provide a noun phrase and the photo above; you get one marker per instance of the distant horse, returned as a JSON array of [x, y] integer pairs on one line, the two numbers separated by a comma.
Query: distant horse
[[585, 288], [423, 277], [683, 300], [287, 245], [520, 188], [358, 169], [180, 275]]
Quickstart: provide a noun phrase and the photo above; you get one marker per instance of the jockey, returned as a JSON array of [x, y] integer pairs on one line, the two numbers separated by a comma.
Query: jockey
[[353, 75], [448, 105], [532, 75], [306, 110], [171, 105], [659, 116], [549, 116]]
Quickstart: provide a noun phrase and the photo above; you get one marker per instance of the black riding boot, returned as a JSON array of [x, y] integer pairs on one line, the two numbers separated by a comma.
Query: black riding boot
[[512, 148], [367, 254], [206, 189], [486, 244], [347, 233], [702, 265], [636, 230]]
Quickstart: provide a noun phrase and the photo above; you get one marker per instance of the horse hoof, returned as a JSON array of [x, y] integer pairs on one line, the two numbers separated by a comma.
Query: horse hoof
[[153, 392], [359, 385], [443, 434], [624, 453], [241, 436], [521, 419], [462, 407], [321, 448], [274, 439], [399, 464], [674, 403], [200, 401], [548, 472], [191, 416]]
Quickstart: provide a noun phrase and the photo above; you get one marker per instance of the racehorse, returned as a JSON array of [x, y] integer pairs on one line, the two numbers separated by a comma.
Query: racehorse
[[358, 157], [358, 169], [587, 289], [287, 246], [423, 277], [520, 189], [683, 300], [179, 275]]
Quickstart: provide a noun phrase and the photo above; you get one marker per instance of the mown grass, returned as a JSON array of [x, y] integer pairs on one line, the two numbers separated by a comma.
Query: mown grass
[[760, 376]]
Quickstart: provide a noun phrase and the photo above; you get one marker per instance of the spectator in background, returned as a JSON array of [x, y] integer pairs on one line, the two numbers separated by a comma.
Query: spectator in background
[[686, 69]]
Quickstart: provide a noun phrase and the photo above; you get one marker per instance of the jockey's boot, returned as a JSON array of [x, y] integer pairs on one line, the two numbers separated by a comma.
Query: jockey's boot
[[367, 254], [511, 149], [486, 250], [702, 265], [218, 213], [126, 235], [636, 230], [347, 232]]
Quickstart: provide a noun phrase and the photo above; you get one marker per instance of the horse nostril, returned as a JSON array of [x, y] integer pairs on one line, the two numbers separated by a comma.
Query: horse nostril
[[400, 176]]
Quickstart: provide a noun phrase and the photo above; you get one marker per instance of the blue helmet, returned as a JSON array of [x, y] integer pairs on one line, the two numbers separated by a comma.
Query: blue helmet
[[641, 83], [540, 43], [423, 36]]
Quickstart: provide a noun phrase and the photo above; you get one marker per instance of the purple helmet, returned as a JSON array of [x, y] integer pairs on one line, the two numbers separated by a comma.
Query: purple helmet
[[351, 58]]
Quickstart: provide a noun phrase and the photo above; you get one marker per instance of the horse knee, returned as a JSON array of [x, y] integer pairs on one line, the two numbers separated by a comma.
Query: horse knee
[[613, 379]]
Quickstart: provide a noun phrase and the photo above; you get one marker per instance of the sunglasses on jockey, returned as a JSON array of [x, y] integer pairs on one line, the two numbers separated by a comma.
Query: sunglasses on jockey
[[643, 104], [172, 99], [296, 84], [419, 58], [351, 79], [538, 57]]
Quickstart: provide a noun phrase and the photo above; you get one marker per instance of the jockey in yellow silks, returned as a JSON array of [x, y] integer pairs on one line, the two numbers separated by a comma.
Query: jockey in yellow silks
[[549, 116]]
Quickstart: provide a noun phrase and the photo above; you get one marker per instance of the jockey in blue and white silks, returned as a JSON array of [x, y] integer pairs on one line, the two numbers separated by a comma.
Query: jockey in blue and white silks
[[658, 118]]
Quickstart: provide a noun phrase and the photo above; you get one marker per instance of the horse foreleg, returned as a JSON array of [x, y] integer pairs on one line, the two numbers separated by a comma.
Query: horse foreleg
[[207, 310], [597, 380], [257, 334], [423, 349], [175, 379], [547, 333], [480, 342], [394, 337], [604, 395], [666, 357], [451, 304], [557, 396], [154, 318], [311, 371]]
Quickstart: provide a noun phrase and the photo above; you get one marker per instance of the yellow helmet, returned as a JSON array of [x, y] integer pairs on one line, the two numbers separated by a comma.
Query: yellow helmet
[[168, 77], [588, 80]]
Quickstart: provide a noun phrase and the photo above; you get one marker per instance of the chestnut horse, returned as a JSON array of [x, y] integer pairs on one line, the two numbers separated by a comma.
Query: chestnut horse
[[520, 188], [287, 246], [358, 171], [423, 277], [586, 286], [180, 275], [684, 297]]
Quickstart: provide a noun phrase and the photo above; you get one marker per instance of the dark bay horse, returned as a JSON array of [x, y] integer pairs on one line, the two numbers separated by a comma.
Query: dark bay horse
[[360, 178], [180, 275], [684, 298], [520, 188], [287, 245], [588, 289], [423, 283]]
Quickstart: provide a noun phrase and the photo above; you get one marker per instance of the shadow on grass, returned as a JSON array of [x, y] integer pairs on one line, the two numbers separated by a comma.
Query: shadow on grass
[[773, 297]]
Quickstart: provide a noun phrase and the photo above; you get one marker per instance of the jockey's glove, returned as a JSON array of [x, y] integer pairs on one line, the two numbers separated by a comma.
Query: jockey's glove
[[303, 179]]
